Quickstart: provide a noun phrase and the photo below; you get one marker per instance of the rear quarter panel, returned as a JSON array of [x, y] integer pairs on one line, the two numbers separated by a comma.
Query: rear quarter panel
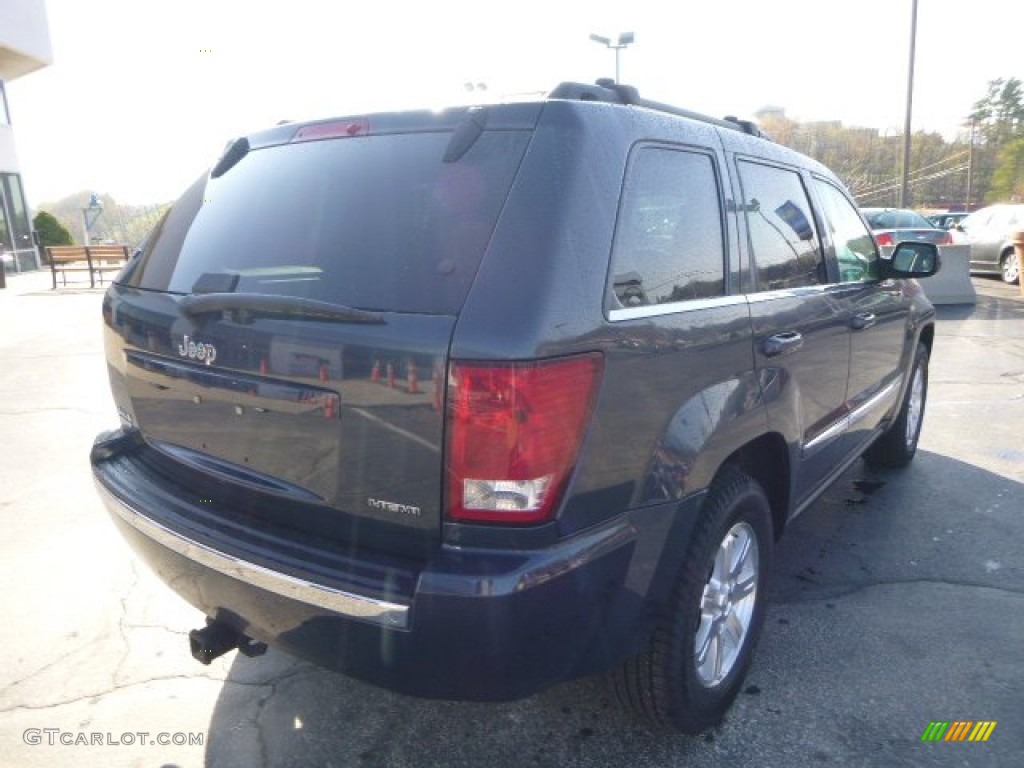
[[678, 392]]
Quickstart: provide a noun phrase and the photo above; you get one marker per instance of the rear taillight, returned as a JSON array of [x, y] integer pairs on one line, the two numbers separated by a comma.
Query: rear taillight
[[945, 239], [884, 239], [514, 434]]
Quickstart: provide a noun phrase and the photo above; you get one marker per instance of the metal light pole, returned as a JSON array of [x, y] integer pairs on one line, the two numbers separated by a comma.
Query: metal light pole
[[905, 184], [95, 207], [624, 39]]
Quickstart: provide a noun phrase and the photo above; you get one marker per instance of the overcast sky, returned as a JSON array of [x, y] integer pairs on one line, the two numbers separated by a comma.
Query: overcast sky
[[143, 94]]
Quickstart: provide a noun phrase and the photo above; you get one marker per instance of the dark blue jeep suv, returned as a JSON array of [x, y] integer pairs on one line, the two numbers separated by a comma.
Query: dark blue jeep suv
[[469, 403]]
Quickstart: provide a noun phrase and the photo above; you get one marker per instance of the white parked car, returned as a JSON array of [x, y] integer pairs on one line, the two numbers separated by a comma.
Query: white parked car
[[989, 232]]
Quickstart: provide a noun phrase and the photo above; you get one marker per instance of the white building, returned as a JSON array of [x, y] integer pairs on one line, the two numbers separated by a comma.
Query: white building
[[24, 48]]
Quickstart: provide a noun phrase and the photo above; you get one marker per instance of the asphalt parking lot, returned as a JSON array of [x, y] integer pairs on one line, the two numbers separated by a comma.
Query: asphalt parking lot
[[897, 600]]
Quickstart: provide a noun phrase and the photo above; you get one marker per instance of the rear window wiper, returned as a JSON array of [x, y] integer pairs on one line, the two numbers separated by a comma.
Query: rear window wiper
[[245, 306]]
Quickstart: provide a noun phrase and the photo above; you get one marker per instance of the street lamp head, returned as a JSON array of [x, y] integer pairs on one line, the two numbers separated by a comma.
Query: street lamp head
[[624, 39]]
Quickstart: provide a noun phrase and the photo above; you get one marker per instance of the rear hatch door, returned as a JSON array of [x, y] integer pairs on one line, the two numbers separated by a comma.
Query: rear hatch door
[[281, 340]]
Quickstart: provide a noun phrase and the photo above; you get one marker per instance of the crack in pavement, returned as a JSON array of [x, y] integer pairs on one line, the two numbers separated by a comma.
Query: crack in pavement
[[122, 630], [80, 649], [845, 591], [117, 683], [61, 356], [170, 630], [50, 665], [273, 684], [35, 411], [117, 688]]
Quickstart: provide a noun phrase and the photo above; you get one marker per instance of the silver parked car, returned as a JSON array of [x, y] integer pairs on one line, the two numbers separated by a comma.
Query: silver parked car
[[990, 234]]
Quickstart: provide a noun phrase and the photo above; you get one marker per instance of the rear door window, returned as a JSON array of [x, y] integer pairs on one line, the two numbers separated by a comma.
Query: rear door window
[[377, 222], [669, 245]]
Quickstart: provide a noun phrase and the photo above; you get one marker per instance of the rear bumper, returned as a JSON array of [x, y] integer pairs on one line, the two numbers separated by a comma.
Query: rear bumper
[[301, 590], [469, 624]]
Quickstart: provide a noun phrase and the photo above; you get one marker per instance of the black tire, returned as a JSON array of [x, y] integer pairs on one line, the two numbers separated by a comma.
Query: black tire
[[896, 447], [665, 684]]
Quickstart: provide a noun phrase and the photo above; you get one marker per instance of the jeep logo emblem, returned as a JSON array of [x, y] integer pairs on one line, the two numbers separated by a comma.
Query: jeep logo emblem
[[196, 350]]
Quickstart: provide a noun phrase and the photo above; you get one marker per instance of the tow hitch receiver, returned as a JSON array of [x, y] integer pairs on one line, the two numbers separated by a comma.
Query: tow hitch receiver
[[216, 639]]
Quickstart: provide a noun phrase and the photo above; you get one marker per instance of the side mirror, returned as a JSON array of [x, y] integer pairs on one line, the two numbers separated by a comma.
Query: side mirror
[[912, 259]]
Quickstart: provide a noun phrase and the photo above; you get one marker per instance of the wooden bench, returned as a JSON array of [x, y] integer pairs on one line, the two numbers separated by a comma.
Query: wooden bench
[[93, 259]]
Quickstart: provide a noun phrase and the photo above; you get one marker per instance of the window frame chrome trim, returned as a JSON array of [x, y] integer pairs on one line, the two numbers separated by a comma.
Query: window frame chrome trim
[[790, 293], [675, 307]]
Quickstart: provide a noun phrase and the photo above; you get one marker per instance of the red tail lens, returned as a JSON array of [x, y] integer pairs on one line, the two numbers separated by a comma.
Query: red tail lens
[[514, 434], [339, 129], [884, 239]]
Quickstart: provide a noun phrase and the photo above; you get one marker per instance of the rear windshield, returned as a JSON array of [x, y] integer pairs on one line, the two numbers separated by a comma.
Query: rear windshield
[[377, 222], [897, 219]]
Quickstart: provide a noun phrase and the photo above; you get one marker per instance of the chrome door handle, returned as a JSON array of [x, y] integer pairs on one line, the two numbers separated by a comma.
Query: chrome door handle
[[863, 320], [782, 343]]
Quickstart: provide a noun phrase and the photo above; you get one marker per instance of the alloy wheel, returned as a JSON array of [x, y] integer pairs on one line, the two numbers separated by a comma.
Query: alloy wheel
[[1011, 268], [727, 605], [915, 407]]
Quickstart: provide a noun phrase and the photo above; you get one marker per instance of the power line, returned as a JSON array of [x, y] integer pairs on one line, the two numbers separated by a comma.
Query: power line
[[893, 185]]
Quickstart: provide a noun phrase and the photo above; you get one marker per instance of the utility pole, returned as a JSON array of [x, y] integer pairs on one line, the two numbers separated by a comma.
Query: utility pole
[[970, 165], [905, 184]]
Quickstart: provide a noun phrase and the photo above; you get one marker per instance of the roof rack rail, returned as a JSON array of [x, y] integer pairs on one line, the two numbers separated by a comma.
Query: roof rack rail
[[608, 91]]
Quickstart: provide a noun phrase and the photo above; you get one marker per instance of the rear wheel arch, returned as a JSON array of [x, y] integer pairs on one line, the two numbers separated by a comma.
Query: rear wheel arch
[[695, 662], [766, 460]]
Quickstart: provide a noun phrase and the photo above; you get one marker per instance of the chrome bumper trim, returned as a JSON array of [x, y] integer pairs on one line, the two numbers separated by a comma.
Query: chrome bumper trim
[[391, 615]]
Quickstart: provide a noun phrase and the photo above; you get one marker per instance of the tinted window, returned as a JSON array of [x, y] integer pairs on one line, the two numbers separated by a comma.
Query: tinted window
[[668, 239], [21, 229], [377, 222], [855, 249], [896, 219], [6, 242], [786, 253]]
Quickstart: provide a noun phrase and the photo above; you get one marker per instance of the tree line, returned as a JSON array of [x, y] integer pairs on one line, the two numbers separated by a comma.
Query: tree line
[[63, 223], [984, 164]]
